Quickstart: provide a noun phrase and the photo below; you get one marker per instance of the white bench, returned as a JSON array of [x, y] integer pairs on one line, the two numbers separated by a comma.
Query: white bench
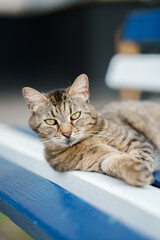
[[111, 209], [139, 71]]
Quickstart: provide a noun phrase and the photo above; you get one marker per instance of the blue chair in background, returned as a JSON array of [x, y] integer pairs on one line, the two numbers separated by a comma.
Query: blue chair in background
[[139, 34], [142, 27]]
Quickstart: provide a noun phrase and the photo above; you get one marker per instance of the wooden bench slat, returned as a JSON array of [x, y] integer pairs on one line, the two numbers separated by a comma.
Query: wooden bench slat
[[135, 207], [47, 211]]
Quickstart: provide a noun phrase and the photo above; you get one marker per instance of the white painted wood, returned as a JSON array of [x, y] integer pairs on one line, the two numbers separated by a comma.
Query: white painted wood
[[138, 208], [139, 71]]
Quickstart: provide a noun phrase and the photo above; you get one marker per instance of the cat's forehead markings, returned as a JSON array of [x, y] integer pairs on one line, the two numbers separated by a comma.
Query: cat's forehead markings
[[56, 96], [59, 95], [70, 109], [65, 97], [64, 106], [52, 113]]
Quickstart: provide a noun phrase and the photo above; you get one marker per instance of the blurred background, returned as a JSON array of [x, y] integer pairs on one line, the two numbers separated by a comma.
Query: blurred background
[[46, 44]]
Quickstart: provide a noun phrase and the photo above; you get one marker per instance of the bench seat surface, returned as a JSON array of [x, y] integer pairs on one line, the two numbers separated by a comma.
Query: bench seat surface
[[48, 209]]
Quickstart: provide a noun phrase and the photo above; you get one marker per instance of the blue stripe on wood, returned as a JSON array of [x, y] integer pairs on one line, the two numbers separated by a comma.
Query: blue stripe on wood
[[29, 131], [142, 26], [42, 207], [157, 179], [23, 222]]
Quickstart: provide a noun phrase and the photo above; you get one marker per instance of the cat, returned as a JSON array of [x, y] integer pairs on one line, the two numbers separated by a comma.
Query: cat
[[121, 140]]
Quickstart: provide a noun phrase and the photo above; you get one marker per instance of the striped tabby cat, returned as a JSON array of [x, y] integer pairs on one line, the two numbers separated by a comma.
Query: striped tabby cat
[[122, 140]]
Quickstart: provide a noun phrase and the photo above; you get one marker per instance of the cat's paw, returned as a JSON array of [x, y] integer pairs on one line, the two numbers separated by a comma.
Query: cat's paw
[[139, 174]]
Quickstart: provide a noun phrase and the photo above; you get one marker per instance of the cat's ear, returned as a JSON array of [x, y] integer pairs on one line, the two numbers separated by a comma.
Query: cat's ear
[[33, 98], [80, 87]]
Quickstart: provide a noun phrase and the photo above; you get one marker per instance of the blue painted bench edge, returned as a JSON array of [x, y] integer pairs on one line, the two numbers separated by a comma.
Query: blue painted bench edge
[[47, 211]]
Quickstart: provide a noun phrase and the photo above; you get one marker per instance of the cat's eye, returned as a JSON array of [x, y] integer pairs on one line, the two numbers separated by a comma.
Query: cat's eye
[[75, 115], [51, 121]]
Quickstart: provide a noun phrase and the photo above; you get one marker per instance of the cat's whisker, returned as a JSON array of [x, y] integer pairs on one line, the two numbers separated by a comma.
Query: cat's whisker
[[98, 131], [109, 137], [79, 134], [45, 141], [50, 140], [93, 131], [82, 133]]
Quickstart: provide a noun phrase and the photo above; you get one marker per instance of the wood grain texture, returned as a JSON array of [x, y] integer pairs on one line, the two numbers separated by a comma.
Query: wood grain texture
[[47, 211], [135, 207]]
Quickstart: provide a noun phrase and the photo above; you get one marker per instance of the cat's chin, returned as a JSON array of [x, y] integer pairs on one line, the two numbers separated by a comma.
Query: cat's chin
[[65, 142], [70, 142]]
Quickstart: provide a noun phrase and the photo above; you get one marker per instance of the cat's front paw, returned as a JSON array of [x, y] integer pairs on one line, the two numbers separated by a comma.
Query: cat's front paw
[[138, 174]]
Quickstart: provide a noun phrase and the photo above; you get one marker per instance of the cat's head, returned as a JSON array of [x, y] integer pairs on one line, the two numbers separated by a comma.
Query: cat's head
[[62, 117]]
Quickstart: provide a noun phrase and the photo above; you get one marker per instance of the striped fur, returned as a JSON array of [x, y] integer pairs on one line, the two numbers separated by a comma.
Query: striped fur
[[122, 140]]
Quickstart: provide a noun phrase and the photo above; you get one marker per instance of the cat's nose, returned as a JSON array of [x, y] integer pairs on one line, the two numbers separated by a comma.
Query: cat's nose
[[67, 134]]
